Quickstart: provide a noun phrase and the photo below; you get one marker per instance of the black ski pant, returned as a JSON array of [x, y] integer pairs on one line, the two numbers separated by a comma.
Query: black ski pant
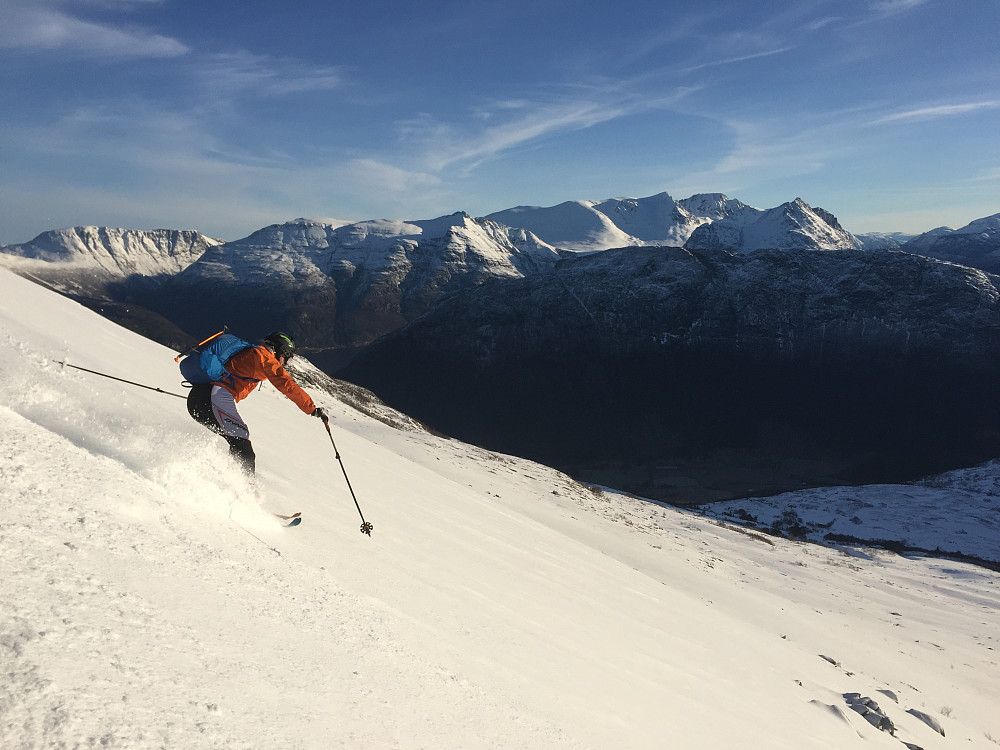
[[204, 411]]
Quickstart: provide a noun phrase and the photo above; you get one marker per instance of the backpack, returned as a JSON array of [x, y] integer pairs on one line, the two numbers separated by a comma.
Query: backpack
[[207, 363]]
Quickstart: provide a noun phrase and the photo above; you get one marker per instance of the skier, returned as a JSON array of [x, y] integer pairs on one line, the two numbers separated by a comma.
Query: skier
[[214, 404]]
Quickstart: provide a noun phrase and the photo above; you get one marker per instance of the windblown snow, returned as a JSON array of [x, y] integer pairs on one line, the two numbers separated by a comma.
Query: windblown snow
[[151, 600]]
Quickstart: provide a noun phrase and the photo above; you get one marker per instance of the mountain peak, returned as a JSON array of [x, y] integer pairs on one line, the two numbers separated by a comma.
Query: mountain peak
[[659, 220], [791, 226], [977, 244], [588, 226], [115, 251], [712, 205]]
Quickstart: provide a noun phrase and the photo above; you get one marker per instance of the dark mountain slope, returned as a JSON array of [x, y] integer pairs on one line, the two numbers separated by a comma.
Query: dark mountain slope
[[695, 375]]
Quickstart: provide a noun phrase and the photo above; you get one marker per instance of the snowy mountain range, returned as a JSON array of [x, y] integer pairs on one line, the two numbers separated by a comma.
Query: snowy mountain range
[[704, 221], [587, 226], [151, 600], [85, 260], [977, 244], [431, 257], [337, 285], [517, 240], [305, 252], [346, 285]]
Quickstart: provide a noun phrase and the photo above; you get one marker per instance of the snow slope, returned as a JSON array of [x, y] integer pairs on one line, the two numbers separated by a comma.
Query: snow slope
[[957, 513], [150, 599]]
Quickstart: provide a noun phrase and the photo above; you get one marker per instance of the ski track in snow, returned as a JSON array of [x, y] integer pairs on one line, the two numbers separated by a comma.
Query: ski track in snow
[[152, 601]]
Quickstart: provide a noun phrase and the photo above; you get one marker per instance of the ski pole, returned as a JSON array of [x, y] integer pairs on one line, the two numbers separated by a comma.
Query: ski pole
[[366, 528], [195, 347], [121, 380]]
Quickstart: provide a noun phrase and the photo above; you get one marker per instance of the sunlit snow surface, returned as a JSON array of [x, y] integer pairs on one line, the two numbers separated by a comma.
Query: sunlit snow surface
[[958, 512], [150, 600]]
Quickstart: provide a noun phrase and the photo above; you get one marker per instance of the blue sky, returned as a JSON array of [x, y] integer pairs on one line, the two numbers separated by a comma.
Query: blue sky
[[228, 116]]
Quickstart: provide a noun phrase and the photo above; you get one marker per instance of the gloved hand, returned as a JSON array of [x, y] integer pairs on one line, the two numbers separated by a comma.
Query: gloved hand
[[318, 412]]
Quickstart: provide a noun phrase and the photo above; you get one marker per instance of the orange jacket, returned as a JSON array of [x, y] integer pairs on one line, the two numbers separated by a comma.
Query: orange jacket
[[257, 363]]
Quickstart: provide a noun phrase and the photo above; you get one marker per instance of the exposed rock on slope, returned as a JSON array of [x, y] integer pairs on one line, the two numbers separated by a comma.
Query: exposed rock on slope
[[790, 226], [346, 285]]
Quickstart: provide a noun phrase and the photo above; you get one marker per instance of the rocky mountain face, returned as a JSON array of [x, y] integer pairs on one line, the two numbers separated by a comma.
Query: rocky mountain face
[[790, 226], [976, 244], [688, 374], [100, 260], [344, 286]]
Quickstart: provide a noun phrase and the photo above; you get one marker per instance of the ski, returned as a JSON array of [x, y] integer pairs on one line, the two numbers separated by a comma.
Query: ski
[[293, 520]]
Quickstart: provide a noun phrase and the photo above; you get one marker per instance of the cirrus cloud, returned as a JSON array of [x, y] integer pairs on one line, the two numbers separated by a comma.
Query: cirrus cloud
[[36, 27], [942, 110]]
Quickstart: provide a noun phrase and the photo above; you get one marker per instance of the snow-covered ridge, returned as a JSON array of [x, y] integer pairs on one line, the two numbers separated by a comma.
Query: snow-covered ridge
[[790, 226], [977, 244], [987, 227], [704, 221], [308, 252], [349, 284], [117, 252], [882, 240], [509, 241], [587, 226]]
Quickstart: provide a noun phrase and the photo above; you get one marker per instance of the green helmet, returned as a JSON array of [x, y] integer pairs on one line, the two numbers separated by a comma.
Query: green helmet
[[281, 344]]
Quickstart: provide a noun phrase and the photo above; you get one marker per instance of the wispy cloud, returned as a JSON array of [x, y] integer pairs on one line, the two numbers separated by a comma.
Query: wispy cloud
[[895, 6], [943, 110], [245, 72], [819, 23], [531, 125], [773, 151], [440, 144], [737, 59], [372, 175], [443, 144], [505, 125], [765, 146], [37, 27], [139, 134]]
